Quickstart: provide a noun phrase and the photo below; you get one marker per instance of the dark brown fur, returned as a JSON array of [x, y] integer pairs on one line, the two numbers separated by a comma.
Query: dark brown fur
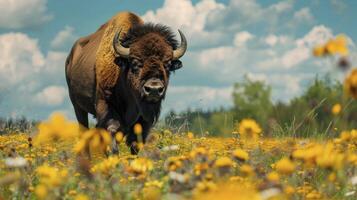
[[120, 107]]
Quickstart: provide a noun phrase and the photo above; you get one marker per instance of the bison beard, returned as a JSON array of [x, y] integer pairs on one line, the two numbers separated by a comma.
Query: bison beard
[[143, 57]]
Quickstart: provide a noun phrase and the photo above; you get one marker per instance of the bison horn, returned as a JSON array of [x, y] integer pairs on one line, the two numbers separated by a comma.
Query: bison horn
[[119, 49], [180, 51]]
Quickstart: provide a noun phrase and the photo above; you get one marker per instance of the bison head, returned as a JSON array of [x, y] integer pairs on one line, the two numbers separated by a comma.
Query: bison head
[[149, 52]]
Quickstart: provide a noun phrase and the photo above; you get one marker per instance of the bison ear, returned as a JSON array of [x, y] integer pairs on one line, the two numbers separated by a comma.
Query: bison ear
[[175, 65]]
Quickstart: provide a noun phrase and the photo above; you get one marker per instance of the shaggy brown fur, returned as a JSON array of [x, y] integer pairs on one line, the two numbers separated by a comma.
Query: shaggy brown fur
[[107, 72], [114, 88]]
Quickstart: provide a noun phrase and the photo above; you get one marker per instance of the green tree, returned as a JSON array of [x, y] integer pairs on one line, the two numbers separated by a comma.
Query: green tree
[[252, 99]]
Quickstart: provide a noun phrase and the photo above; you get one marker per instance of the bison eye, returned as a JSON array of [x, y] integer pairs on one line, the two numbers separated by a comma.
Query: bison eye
[[135, 64], [167, 65]]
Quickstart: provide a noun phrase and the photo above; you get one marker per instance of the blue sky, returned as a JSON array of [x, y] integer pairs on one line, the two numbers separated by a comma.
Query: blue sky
[[267, 40]]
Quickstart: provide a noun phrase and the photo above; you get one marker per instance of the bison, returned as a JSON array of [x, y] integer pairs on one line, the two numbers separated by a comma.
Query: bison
[[120, 74]]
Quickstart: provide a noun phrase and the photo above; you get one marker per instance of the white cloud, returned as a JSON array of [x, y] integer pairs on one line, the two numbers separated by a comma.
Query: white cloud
[[23, 13], [51, 95], [303, 15], [181, 97], [188, 17], [24, 71], [20, 57], [301, 50], [239, 14], [241, 38], [273, 40], [64, 38]]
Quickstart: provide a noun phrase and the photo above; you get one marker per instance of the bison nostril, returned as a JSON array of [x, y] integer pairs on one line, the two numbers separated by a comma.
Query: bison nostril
[[161, 90], [147, 89]]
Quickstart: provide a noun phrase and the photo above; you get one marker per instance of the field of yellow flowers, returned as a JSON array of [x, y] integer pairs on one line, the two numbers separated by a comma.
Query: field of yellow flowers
[[61, 162]]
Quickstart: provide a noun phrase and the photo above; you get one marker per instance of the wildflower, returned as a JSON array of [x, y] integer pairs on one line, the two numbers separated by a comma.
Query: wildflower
[[106, 165], [141, 166], [119, 137], [337, 45], [223, 162], [151, 193], [57, 128], [229, 191], [81, 197], [246, 170], [138, 129], [332, 177], [94, 140], [273, 177], [330, 158], [155, 183], [319, 51], [173, 163], [336, 109], [248, 128], [200, 154], [285, 166], [190, 135], [41, 191], [350, 84], [289, 190], [51, 176], [204, 186], [241, 155]]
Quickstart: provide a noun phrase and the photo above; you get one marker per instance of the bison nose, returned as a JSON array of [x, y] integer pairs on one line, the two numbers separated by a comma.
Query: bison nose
[[154, 88]]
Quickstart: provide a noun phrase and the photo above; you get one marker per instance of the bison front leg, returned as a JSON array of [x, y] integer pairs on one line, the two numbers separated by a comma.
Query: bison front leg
[[132, 138], [108, 119]]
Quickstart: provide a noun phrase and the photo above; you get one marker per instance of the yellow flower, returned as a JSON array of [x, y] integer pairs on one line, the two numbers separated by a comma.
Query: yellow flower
[[241, 155], [336, 109], [106, 165], [223, 162], [248, 128], [119, 137], [151, 193], [138, 129], [332, 177], [41, 191], [319, 51], [337, 45], [57, 128], [173, 163], [51, 176], [289, 190], [96, 140], [246, 170], [350, 84], [198, 152], [141, 166], [81, 197], [285, 166], [155, 183], [330, 158], [231, 192], [204, 186], [273, 177], [190, 135]]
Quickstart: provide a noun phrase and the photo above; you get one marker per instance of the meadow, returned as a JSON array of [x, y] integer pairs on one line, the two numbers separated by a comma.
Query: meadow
[[59, 160]]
